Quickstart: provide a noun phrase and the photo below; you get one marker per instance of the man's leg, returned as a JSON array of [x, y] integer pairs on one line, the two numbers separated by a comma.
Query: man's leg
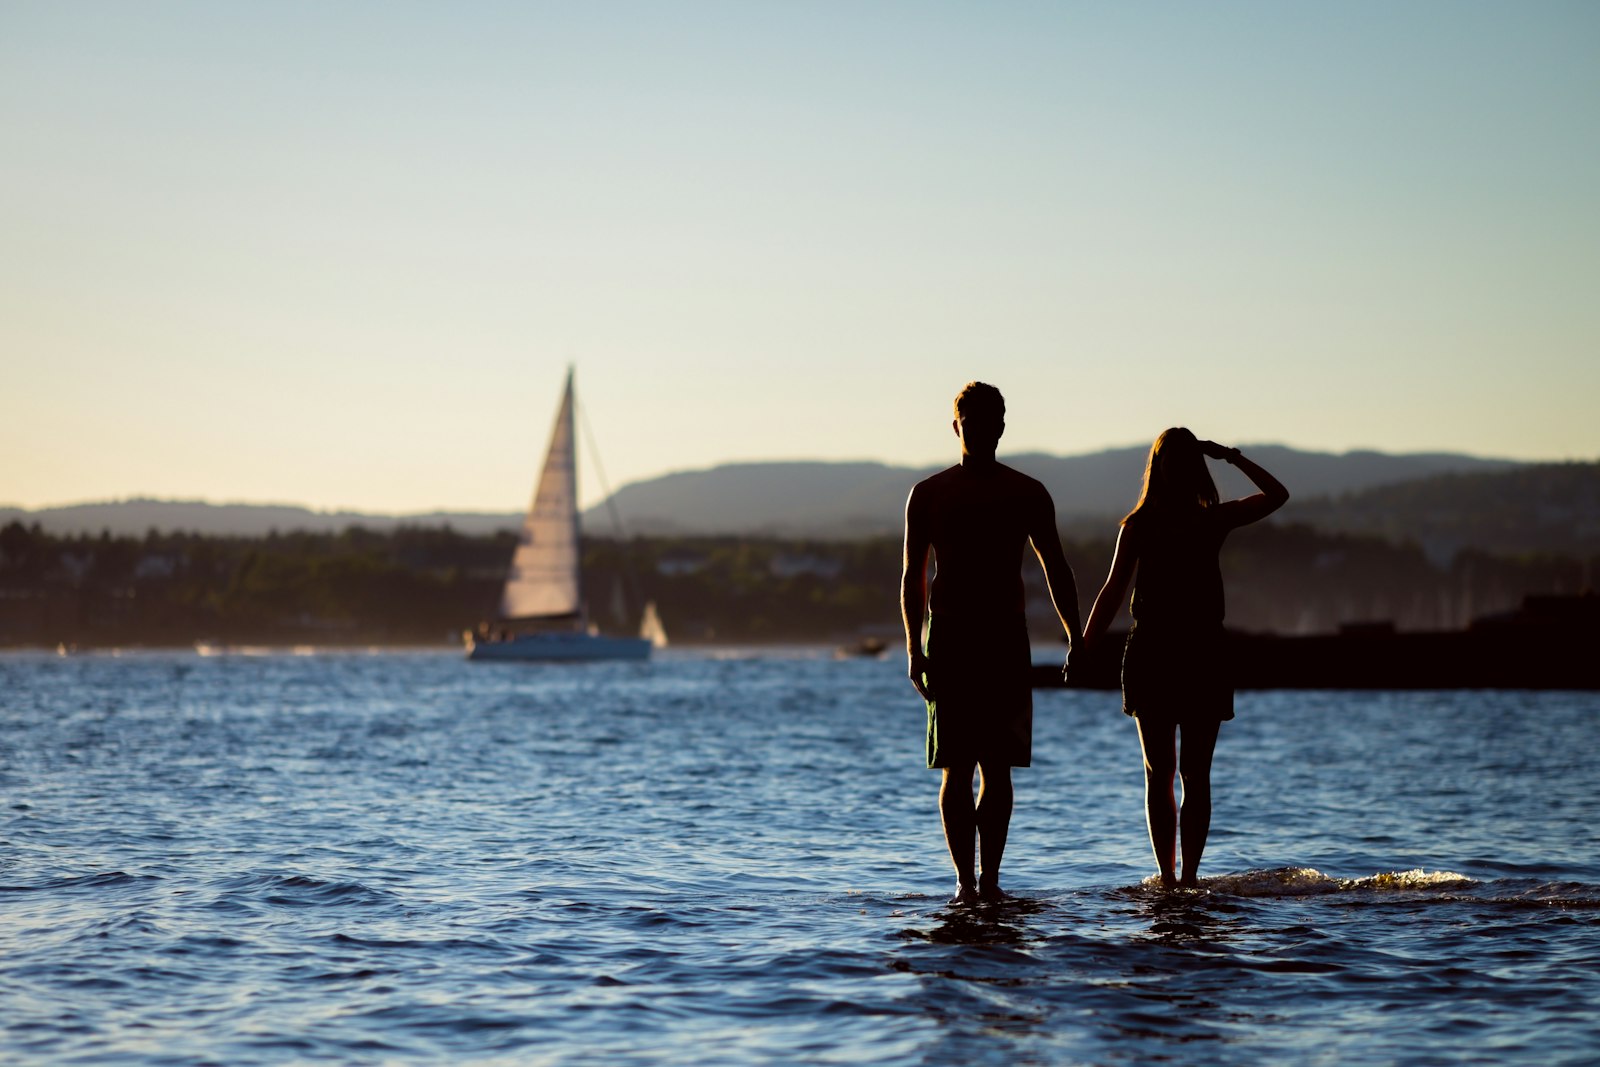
[[994, 819], [960, 828], [1194, 819], [1158, 741]]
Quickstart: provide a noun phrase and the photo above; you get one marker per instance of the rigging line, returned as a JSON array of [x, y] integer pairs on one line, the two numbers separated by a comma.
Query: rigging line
[[600, 471], [631, 578]]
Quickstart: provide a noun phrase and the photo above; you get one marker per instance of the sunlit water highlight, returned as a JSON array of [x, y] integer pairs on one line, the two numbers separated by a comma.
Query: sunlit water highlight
[[390, 858]]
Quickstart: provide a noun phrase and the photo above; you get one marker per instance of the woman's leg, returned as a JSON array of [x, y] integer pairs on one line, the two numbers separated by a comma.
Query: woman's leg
[[1158, 741], [1194, 767]]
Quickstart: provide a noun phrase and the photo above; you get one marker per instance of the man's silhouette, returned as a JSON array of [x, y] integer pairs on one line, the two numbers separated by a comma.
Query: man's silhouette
[[977, 518]]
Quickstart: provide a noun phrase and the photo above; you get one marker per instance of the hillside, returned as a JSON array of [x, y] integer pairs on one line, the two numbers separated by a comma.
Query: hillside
[[134, 518], [424, 586], [1547, 508], [839, 501], [834, 500]]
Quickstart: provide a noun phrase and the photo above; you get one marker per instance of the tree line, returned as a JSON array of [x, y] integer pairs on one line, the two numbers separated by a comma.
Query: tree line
[[425, 585]]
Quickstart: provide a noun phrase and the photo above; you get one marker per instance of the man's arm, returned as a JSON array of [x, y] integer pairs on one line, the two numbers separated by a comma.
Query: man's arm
[[914, 589], [1057, 574]]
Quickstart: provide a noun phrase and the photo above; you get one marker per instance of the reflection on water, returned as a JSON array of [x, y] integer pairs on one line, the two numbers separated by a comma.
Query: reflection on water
[[1191, 919], [1252, 965], [1003, 923]]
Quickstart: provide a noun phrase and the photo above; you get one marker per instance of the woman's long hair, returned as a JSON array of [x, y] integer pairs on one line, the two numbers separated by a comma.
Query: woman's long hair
[[1175, 476]]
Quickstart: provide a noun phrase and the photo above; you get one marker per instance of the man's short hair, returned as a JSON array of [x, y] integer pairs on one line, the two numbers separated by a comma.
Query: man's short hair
[[982, 400]]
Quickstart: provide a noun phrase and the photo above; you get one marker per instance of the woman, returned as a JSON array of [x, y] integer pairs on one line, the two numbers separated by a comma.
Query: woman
[[1174, 677]]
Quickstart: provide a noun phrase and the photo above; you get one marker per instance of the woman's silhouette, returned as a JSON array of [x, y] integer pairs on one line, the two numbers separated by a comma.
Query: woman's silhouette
[[1174, 673]]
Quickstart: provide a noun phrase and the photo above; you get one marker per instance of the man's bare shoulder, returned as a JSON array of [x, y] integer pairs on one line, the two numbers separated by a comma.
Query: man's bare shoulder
[[1023, 484], [937, 484]]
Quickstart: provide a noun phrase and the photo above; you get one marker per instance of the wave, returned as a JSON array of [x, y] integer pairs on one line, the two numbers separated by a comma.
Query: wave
[[298, 890], [1409, 884], [73, 882], [1308, 881]]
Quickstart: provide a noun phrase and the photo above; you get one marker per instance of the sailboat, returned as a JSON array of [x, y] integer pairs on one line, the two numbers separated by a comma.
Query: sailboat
[[542, 612]]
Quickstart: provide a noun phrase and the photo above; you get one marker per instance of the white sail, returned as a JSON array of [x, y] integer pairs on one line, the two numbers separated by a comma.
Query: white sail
[[650, 627], [543, 580], [541, 609]]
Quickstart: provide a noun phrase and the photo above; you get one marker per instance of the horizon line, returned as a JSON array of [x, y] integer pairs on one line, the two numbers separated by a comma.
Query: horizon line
[[138, 497]]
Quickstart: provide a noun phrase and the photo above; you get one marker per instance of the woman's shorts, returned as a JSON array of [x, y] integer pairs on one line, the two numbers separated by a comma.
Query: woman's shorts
[[1177, 674]]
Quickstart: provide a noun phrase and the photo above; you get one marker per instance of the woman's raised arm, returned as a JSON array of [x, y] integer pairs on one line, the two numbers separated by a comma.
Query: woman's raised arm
[[1254, 508]]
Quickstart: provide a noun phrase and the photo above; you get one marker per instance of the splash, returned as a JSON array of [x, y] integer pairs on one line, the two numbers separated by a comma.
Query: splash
[[1277, 882], [1308, 881], [1416, 878]]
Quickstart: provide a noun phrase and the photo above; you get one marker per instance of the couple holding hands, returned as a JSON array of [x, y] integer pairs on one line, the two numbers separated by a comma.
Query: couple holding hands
[[976, 519]]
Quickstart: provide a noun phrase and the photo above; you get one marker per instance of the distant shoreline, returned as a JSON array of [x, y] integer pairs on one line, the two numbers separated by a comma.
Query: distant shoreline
[[800, 498], [1546, 644]]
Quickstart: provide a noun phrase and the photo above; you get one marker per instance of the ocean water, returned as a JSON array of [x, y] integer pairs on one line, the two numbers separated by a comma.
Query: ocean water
[[736, 859]]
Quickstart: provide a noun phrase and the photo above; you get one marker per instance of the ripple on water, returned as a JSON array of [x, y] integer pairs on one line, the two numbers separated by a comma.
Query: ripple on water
[[738, 861], [296, 891]]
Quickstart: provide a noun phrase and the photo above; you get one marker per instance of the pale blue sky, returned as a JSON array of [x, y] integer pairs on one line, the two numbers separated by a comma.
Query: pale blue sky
[[340, 254]]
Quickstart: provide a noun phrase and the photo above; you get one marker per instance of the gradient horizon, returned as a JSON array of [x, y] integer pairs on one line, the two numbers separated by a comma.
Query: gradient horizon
[[1136, 451], [341, 258]]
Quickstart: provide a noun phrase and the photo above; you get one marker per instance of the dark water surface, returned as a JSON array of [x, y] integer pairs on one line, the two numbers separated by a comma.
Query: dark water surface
[[407, 858]]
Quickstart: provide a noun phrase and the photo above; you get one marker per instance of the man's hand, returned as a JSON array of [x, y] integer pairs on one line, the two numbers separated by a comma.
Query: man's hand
[[917, 671]]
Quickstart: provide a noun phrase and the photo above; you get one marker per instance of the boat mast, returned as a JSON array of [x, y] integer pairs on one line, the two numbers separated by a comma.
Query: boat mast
[[569, 432]]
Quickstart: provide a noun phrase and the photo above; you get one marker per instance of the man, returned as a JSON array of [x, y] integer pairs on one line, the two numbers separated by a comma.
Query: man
[[977, 518]]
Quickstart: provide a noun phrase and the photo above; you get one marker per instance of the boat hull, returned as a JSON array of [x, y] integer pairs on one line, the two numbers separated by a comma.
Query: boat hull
[[559, 648]]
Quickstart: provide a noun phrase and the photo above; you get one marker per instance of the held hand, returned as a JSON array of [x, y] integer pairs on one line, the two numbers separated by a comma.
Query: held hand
[[1212, 450], [917, 671]]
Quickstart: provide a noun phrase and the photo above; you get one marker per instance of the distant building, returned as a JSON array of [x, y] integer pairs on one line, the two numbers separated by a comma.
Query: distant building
[[75, 565], [675, 564], [793, 565], [155, 566]]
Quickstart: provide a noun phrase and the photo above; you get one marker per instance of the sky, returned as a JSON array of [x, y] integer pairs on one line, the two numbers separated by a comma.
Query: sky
[[341, 255]]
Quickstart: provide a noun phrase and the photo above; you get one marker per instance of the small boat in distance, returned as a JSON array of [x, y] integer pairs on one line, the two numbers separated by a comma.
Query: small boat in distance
[[542, 615], [869, 647]]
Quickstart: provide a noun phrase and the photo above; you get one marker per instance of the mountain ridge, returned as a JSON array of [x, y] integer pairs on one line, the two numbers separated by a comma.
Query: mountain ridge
[[828, 500], [866, 498]]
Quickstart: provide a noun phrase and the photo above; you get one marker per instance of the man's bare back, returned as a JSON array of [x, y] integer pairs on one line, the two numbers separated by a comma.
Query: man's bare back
[[979, 521], [974, 521]]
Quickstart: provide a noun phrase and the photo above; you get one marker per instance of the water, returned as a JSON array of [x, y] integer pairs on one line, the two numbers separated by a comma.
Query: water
[[406, 858]]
